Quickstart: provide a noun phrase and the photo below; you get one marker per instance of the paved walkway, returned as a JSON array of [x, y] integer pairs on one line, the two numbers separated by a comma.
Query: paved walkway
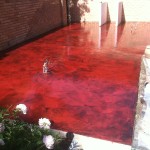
[[91, 87], [141, 136]]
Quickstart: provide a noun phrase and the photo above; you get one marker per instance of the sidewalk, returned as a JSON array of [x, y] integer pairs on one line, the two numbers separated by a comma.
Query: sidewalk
[[141, 138]]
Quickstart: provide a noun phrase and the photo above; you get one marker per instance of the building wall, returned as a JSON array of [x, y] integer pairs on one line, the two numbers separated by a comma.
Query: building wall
[[21, 20], [88, 10]]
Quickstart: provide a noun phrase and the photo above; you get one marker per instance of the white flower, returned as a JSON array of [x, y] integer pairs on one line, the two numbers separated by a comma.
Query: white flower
[[22, 108], [2, 127], [44, 123], [2, 142], [48, 140]]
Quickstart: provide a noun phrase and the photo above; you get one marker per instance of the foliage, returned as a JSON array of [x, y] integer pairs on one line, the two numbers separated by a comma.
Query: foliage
[[15, 134]]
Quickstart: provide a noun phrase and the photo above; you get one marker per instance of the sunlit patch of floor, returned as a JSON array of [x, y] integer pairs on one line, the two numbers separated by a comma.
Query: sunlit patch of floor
[[89, 143]]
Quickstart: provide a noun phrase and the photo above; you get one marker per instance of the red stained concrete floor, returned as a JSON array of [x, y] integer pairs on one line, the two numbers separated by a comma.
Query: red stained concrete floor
[[92, 89]]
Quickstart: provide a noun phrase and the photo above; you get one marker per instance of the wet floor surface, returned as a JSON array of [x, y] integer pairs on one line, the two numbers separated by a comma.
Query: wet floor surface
[[93, 81]]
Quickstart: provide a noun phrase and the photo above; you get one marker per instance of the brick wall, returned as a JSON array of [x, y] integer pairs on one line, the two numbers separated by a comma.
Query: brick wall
[[88, 10], [21, 20]]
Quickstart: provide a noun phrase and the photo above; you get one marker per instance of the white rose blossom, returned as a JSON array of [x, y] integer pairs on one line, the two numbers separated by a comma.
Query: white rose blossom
[[44, 123], [22, 108], [48, 140], [2, 127], [2, 142]]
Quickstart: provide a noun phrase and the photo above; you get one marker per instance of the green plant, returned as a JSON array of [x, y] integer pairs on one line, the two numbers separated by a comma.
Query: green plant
[[16, 134]]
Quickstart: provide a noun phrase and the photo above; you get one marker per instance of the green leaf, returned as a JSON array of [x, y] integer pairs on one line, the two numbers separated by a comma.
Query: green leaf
[[1, 136]]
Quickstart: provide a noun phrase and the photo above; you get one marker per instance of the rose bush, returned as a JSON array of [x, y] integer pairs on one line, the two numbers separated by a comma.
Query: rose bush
[[15, 134]]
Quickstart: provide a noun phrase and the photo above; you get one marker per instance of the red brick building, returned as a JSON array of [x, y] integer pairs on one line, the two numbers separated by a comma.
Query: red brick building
[[23, 20]]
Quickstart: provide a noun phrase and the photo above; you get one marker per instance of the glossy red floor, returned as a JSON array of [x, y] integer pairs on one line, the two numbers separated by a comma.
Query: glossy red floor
[[92, 89]]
